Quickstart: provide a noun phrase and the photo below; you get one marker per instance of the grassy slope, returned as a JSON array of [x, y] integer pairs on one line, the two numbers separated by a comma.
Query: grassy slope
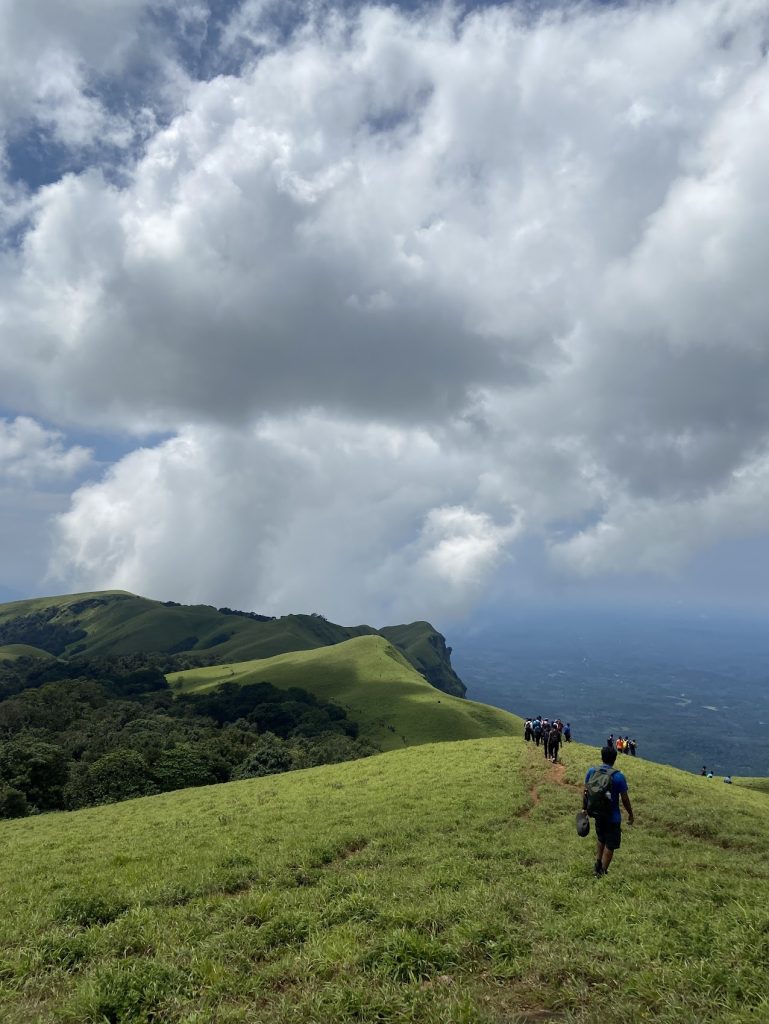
[[122, 623], [9, 652], [443, 884], [125, 624], [378, 687], [760, 784], [421, 643]]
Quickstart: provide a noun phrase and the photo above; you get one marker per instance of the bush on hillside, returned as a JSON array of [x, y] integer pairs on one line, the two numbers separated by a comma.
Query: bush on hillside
[[100, 730], [37, 769], [330, 748], [13, 803], [269, 755], [119, 775], [184, 766]]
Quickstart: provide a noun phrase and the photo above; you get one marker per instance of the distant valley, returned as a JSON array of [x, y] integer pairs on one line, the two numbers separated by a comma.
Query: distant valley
[[691, 690]]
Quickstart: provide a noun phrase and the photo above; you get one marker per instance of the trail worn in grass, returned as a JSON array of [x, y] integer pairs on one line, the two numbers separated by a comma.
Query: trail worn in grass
[[423, 885]]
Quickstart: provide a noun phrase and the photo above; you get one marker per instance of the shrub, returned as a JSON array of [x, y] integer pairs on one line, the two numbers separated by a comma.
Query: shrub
[[119, 775], [183, 766], [13, 803], [38, 770], [268, 756]]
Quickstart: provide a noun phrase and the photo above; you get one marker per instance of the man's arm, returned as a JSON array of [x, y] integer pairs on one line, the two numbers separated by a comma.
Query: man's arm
[[628, 807]]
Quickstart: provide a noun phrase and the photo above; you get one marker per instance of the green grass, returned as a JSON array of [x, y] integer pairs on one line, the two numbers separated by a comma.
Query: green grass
[[10, 652], [420, 643], [423, 885], [761, 785], [380, 690], [118, 623]]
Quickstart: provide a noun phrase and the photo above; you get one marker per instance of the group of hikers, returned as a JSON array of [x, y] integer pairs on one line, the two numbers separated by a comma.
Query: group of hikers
[[605, 786], [708, 774], [622, 744], [547, 733]]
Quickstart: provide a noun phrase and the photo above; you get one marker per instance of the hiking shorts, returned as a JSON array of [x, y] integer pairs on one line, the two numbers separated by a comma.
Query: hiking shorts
[[608, 833]]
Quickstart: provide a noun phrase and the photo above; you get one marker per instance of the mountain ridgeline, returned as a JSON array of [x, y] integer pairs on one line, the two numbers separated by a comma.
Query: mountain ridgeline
[[106, 697], [116, 623]]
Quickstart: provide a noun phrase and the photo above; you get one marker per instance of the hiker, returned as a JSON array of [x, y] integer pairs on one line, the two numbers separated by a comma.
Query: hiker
[[620, 745], [610, 741], [605, 786], [554, 742], [709, 775], [633, 746], [527, 730], [704, 771], [546, 737], [567, 733], [728, 779], [536, 728]]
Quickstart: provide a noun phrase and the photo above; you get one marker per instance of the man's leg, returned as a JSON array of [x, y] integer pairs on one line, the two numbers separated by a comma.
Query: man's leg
[[599, 852], [612, 840]]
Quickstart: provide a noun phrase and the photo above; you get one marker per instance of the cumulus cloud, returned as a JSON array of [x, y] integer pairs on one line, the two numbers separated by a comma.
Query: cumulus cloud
[[357, 202], [29, 453], [523, 252], [292, 514], [51, 56], [658, 537], [37, 469]]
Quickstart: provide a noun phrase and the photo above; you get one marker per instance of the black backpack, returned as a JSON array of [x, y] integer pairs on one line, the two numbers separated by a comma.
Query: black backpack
[[598, 789]]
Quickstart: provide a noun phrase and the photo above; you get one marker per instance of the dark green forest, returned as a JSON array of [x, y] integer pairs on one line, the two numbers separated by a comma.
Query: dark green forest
[[83, 732]]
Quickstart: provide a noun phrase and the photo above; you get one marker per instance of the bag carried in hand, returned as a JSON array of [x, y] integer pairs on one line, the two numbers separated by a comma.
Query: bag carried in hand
[[583, 824], [598, 789]]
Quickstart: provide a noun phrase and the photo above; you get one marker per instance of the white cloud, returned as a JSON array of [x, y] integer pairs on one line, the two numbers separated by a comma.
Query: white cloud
[[37, 469], [296, 513], [525, 256], [659, 536], [29, 453], [51, 54], [356, 203]]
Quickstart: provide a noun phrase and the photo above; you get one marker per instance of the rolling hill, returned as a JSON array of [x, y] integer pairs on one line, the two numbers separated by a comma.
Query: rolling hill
[[110, 623], [393, 704], [442, 884]]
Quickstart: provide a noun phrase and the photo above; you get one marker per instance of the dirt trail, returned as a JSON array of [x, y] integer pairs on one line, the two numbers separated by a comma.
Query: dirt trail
[[554, 776]]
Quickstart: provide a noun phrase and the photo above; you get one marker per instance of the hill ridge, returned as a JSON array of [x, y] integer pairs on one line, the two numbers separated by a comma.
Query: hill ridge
[[107, 623], [374, 682]]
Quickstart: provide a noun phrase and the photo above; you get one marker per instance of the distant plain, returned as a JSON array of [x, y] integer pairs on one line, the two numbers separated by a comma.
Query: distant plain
[[692, 689]]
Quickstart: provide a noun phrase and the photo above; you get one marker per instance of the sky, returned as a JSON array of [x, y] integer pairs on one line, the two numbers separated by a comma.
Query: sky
[[385, 312]]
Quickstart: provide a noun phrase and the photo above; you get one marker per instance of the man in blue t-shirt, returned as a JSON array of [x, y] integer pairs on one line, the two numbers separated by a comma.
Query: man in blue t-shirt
[[608, 827]]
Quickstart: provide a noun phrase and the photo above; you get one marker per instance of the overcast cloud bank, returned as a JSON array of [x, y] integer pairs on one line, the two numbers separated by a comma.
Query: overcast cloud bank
[[405, 293]]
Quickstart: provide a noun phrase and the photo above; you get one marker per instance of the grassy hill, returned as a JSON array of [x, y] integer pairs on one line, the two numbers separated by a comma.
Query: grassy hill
[[119, 623], [427, 652], [394, 705], [10, 652], [760, 785], [443, 884]]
